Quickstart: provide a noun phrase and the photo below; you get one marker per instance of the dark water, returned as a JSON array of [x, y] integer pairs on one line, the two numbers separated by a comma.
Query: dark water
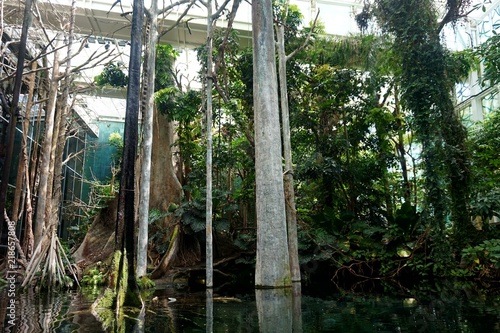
[[436, 310]]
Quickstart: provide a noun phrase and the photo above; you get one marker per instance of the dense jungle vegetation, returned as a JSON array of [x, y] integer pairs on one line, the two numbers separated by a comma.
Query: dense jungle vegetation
[[387, 179], [389, 183]]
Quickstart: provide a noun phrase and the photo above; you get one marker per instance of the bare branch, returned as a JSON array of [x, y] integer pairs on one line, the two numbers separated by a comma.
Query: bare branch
[[288, 57], [175, 4], [216, 15], [222, 47], [191, 3]]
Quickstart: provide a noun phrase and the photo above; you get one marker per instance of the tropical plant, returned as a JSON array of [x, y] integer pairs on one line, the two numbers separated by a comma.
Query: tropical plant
[[112, 75]]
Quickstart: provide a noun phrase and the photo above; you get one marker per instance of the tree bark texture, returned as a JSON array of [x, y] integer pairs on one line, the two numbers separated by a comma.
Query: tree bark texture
[[291, 215], [125, 223], [43, 187], [272, 267], [14, 110], [147, 142], [208, 227]]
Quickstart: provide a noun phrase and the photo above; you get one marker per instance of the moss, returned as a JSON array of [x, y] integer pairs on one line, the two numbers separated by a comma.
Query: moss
[[106, 301], [121, 288], [115, 270], [287, 281], [145, 282]]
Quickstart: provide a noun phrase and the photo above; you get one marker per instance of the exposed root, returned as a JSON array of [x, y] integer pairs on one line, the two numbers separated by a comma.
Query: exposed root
[[48, 258]]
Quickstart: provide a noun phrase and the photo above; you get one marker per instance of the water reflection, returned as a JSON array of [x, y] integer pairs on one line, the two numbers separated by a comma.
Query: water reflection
[[274, 307], [297, 307], [284, 310], [279, 308], [210, 310]]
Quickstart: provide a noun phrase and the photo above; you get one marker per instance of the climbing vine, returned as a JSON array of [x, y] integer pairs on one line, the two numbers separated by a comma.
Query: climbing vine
[[426, 92]]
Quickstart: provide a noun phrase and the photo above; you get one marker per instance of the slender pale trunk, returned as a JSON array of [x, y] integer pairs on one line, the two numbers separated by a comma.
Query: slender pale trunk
[[272, 268], [60, 129], [147, 143], [47, 149], [291, 216], [209, 78]]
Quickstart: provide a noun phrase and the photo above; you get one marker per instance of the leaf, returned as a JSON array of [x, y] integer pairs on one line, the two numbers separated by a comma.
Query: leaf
[[403, 253]]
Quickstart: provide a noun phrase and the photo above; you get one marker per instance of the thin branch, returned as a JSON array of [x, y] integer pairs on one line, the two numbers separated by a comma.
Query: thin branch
[[191, 3], [216, 15], [288, 57], [175, 4], [222, 47]]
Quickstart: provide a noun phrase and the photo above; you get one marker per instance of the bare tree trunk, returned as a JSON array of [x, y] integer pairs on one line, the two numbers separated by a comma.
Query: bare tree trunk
[[32, 168], [32, 172], [291, 215], [24, 143], [208, 230], [49, 252], [166, 187], [170, 255], [125, 223], [147, 143], [272, 268], [14, 109], [43, 193], [400, 147], [60, 129]]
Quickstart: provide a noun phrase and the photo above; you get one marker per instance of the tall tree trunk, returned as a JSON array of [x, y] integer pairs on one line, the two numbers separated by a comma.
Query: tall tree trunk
[[400, 147], [208, 214], [291, 215], [43, 187], [32, 168], [147, 141], [125, 224], [24, 143], [272, 268], [60, 130], [49, 256], [14, 110], [122, 286]]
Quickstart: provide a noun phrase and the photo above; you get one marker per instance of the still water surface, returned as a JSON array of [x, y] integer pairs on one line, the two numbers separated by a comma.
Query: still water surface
[[437, 310]]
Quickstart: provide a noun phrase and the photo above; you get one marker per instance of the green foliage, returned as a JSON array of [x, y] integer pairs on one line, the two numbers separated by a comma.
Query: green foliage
[[427, 77], [112, 75], [407, 218], [482, 260], [485, 147], [245, 241], [178, 106], [158, 238], [115, 140], [356, 106], [145, 282], [165, 59], [94, 277], [490, 54], [459, 64]]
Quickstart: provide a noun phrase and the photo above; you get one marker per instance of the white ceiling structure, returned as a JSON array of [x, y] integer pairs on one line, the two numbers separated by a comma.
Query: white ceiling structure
[[101, 18], [110, 26]]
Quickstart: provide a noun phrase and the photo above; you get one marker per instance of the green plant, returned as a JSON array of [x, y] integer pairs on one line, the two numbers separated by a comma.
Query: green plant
[[484, 259], [94, 277], [112, 75], [145, 282], [158, 237]]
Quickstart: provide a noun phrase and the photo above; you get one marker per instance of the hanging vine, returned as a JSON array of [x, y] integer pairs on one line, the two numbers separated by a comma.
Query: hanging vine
[[426, 92]]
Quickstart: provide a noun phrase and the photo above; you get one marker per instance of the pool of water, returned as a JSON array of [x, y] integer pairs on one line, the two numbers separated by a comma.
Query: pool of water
[[168, 310]]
